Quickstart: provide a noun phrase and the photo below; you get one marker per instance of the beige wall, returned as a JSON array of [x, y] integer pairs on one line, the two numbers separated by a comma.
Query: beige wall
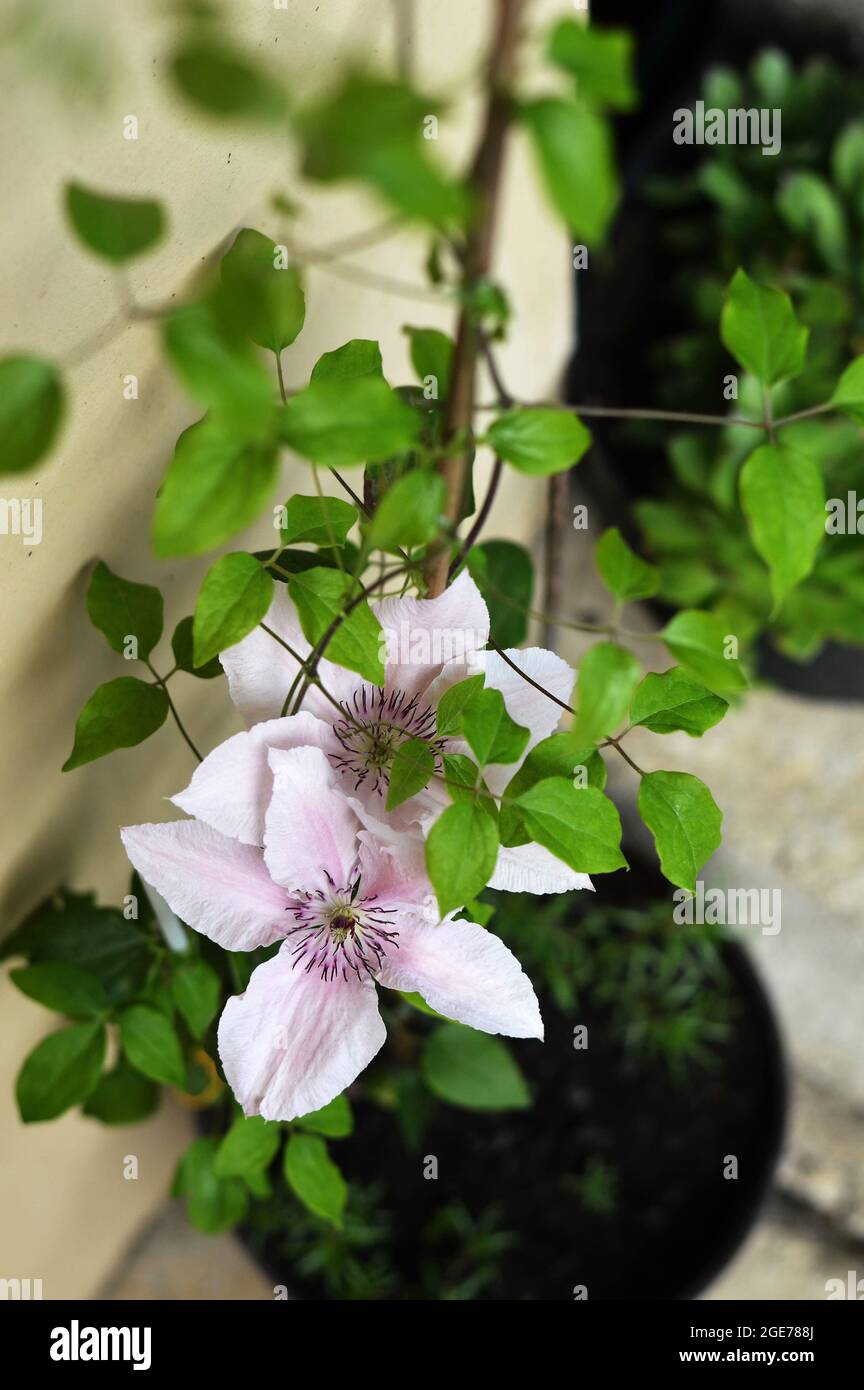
[[66, 1211]]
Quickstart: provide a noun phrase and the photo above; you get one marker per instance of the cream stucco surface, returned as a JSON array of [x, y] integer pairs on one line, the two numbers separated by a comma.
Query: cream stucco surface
[[67, 1210]]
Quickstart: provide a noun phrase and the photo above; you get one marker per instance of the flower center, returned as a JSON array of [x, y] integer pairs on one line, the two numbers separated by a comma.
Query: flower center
[[374, 726], [340, 931]]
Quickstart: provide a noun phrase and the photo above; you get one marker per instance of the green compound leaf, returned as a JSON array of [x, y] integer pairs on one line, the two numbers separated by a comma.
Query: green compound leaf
[[672, 701], [577, 164], [317, 520], [249, 1146], [265, 295], [119, 714], [341, 422], [473, 1070], [60, 1072], [849, 393], [197, 992], [67, 989], [223, 83], [116, 229], [313, 1177], [759, 327], [216, 484], [491, 733], [359, 357], [31, 409], [121, 609], [601, 60], [608, 675], [624, 573], [685, 821], [577, 824], [701, 643], [412, 768], [783, 497], [321, 596], [234, 597], [151, 1045], [559, 755], [461, 850], [410, 512], [334, 1121], [539, 441]]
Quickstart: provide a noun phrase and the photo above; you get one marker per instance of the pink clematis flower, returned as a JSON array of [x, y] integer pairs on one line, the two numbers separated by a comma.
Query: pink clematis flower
[[350, 912], [430, 645]]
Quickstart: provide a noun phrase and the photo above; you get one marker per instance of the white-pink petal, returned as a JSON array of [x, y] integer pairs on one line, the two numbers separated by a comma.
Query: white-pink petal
[[310, 830], [423, 635], [217, 886], [261, 671], [533, 869], [467, 974], [231, 789], [293, 1041]]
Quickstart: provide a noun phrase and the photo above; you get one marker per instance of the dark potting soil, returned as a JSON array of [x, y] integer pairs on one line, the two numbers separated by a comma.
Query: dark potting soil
[[675, 1216]]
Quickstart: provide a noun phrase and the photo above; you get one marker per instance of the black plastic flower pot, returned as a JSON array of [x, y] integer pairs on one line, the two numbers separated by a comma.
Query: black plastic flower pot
[[625, 1179]]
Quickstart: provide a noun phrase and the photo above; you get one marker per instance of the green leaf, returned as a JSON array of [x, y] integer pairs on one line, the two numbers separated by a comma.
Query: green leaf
[[600, 59], [317, 520], [341, 422], [197, 992], [119, 714], [31, 408], [357, 358], [608, 675], [453, 704], [671, 701], [313, 1177], [685, 821], [809, 206], [461, 850], [222, 82], [577, 824], [431, 357], [60, 1072], [213, 1204], [234, 597], [412, 767], [151, 1045], [849, 392], [504, 574], [182, 645], [116, 229], [539, 441], [70, 928], [492, 735], [123, 1097], [206, 345], [473, 1070], [216, 484], [699, 642], [249, 1146], [759, 327], [334, 1120], [410, 511], [783, 496], [371, 129], [847, 159], [559, 755], [67, 989], [122, 609], [266, 296], [577, 163], [320, 595], [624, 573]]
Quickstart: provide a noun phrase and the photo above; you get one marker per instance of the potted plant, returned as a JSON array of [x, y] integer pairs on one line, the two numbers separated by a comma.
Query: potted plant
[[402, 752]]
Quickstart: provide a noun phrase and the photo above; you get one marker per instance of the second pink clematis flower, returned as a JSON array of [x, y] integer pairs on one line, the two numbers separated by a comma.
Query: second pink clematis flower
[[431, 644], [350, 911]]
